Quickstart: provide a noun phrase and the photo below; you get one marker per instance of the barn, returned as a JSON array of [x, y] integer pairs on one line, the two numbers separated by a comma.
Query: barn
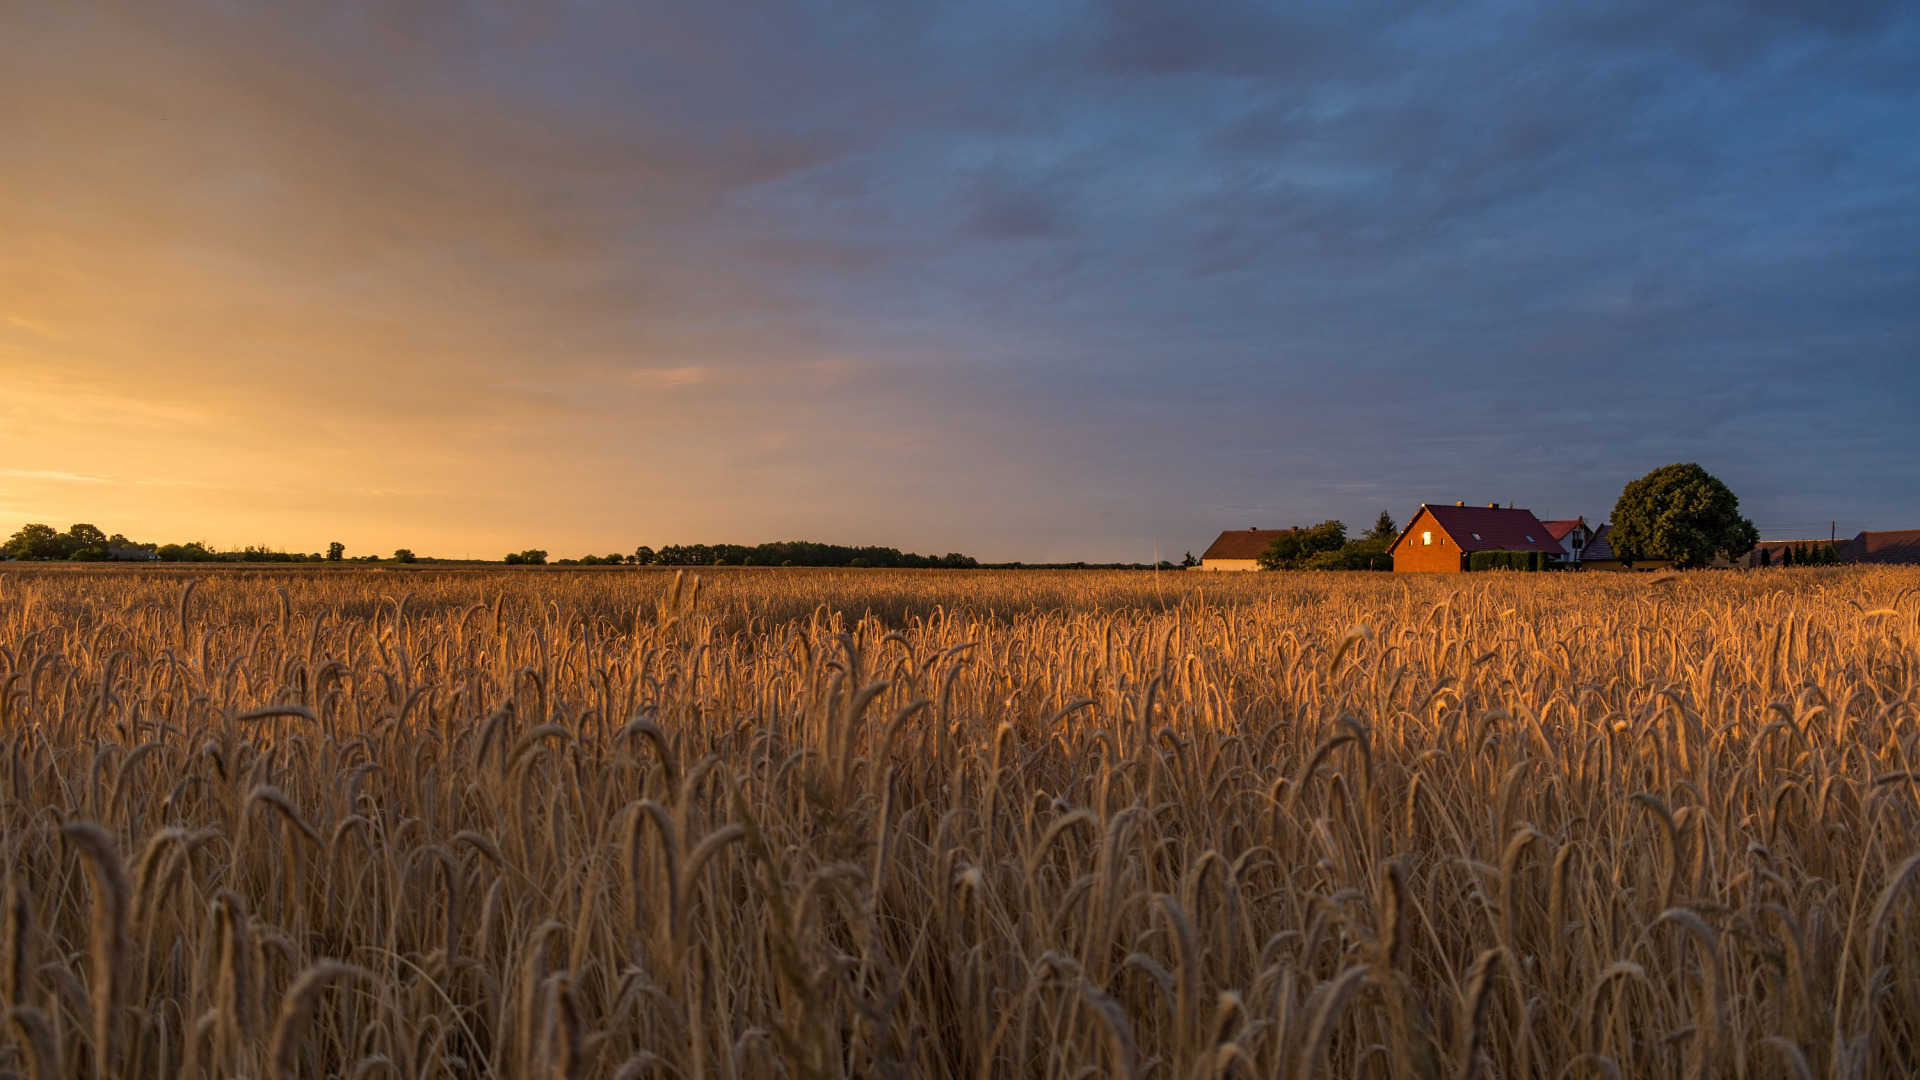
[[1893, 546], [1440, 539], [1238, 550]]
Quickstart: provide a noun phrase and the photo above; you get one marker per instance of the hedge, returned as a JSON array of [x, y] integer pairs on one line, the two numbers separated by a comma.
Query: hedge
[[1507, 560]]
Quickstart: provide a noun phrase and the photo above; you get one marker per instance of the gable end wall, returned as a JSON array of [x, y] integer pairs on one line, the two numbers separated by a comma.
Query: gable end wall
[[1412, 556]]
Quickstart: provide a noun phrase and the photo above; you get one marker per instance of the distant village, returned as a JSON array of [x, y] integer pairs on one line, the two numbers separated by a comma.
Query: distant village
[[1458, 538]]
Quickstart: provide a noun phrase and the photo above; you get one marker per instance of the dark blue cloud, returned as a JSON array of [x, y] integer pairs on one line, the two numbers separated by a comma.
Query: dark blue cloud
[[1168, 268]]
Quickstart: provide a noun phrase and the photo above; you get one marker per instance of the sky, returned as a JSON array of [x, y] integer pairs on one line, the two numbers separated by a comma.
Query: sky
[[1023, 280]]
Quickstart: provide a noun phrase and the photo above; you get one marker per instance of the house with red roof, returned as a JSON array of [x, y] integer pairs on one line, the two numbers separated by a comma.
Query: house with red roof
[[1572, 536], [1441, 539]]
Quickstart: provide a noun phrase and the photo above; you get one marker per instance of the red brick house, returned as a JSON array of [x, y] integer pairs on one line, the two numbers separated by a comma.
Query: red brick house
[[1439, 539]]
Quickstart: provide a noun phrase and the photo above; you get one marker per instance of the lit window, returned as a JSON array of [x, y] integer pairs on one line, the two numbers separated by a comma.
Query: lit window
[[1426, 538]]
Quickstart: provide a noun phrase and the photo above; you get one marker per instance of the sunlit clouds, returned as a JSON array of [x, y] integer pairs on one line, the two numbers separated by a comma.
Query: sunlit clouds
[[1021, 281]]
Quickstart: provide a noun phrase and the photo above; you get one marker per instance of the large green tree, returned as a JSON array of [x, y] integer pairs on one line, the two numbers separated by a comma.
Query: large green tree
[[1681, 513]]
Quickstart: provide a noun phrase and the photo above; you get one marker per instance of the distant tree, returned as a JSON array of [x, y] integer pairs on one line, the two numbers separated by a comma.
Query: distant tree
[[1293, 549], [643, 556], [1189, 560], [402, 555], [1367, 553], [1384, 528], [529, 557], [85, 543], [1680, 513], [35, 542], [336, 551]]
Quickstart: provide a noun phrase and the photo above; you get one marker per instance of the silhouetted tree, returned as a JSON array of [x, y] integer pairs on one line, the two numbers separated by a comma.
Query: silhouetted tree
[[1384, 528]]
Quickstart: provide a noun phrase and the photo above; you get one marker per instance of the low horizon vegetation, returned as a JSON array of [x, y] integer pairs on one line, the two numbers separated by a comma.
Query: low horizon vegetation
[[1325, 547], [86, 543]]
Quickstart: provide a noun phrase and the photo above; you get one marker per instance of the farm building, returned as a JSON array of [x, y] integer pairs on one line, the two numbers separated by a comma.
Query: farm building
[[1238, 550], [1442, 539], [1599, 554], [1891, 546]]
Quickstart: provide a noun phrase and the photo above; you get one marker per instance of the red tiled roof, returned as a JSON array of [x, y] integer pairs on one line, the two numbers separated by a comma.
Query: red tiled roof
[[1559, 529], [1891, 546], [1493, 528], [1242, 543]]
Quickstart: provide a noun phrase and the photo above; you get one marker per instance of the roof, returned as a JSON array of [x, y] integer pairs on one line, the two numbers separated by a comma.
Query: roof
[[1559, 529], [1599, 545], [1242, 543], [1891, 546], [1489, 528]]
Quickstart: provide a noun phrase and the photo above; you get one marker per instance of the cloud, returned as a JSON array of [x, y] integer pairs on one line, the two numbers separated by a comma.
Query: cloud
[[1024, 280], [52, 474]]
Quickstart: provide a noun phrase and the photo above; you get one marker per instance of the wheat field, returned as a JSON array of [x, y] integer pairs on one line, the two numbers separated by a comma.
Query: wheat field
[[800, 824]]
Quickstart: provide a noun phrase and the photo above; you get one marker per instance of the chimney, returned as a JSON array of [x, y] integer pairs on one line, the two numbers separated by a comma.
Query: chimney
[[1493, 506], [1461, 502]]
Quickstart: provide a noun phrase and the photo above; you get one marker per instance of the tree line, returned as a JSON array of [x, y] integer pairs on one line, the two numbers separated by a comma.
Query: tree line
[[1803, 553], [86, 543], [782, 553]]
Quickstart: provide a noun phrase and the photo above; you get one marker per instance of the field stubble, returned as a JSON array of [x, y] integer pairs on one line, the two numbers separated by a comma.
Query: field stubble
[[954, 824]]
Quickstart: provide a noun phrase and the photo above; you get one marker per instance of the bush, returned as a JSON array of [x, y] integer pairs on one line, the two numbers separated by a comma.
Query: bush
[[1507, 560], [1296, 548], [1368, 554]]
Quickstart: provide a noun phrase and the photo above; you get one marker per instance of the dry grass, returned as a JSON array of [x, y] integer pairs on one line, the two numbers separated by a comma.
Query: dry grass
[[371, 824]]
